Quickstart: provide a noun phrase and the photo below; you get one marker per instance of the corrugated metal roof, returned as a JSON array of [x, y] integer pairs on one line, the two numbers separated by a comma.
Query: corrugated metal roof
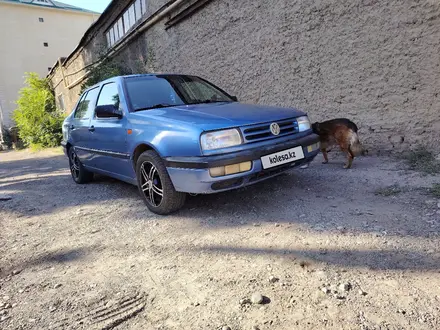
[[51, 4]]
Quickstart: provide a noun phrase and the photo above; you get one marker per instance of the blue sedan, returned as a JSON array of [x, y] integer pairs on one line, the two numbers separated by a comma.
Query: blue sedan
[[176, 134]]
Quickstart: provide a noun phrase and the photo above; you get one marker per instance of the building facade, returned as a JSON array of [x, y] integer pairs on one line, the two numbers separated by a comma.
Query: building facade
[[34, 33], [375, 62]]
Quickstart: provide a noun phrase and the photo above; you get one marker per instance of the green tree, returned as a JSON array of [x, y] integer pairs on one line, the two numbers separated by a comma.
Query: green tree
[[38, 120]]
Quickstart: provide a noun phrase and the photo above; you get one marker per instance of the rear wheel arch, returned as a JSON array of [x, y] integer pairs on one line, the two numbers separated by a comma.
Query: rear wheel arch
[[79, 174]]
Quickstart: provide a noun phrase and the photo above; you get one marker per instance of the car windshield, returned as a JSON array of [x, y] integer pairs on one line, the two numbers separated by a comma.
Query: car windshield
[[152, 92]]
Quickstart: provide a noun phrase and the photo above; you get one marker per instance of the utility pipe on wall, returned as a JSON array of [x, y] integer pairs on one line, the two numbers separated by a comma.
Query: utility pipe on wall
[[62, 71]]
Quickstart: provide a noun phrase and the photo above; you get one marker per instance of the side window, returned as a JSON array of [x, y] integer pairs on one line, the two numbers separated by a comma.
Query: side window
[[81, 108], [86, 106], [109, 95]]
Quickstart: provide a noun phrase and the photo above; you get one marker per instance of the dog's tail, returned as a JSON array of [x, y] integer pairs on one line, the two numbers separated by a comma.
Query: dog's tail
[[355, 146]]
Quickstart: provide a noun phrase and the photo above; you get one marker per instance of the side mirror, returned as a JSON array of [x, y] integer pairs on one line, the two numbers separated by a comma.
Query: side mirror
[[234, 98], [108, 111]]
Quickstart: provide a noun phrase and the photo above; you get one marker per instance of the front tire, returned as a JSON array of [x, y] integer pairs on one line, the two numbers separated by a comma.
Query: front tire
[[155, 185], [79, 174]]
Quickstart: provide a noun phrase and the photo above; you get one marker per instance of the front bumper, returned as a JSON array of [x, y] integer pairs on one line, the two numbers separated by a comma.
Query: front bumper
[[191, 174], [64, 145]]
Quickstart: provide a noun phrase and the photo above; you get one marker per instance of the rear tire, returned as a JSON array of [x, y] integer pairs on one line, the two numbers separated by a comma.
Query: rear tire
[[79, 174], [155, 185]]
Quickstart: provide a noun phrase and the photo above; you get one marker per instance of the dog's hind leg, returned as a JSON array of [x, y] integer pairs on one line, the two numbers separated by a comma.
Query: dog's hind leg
[[353, 149], [323, 148], [349, 161], [350, 158], [324, 153]]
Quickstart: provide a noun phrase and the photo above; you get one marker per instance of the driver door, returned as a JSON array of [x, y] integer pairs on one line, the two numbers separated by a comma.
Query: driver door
[[109, 136]]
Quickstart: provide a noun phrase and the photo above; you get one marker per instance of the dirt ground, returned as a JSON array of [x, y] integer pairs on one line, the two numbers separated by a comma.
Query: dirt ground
[[327, 248]]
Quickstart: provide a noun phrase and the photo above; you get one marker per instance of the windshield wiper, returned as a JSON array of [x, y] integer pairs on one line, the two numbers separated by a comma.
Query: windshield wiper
[[208, 101], [156, 106]]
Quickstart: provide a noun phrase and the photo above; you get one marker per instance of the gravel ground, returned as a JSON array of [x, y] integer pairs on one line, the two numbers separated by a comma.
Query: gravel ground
[[316, 248]]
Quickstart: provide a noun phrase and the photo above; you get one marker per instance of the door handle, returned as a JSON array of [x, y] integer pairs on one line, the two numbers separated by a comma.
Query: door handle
[[72, 127], [92, 128]]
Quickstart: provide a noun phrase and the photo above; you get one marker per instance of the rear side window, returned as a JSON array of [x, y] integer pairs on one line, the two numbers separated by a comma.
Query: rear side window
[[85, 105], [79, 111], [109, 95]]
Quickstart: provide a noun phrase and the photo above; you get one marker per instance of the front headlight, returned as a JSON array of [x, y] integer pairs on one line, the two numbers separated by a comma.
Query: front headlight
[[220, 139], [303, 123]]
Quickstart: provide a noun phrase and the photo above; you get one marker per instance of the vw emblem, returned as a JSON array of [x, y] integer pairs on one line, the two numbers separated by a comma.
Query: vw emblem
[[275, 128]]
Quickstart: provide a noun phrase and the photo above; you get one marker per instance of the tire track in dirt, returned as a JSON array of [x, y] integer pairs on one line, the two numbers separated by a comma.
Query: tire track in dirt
[[106, 315]]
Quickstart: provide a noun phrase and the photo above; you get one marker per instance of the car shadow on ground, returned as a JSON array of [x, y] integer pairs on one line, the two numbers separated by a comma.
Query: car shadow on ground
[[311, 197], [316, 201], [48, 259], [371, 259], [289, 198], [44, 185], [32, 166]]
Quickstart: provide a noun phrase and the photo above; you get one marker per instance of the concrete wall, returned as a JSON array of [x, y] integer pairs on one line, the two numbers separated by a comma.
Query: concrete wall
[[22, 39], [375, 62]]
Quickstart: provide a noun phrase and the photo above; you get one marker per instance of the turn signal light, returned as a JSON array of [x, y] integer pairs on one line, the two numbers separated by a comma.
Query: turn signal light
[[230, 169], [313, 147]]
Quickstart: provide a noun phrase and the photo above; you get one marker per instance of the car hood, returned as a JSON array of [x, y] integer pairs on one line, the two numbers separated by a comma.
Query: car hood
[[210, 116]]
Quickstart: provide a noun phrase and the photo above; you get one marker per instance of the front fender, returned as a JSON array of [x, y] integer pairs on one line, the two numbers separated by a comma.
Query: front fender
[[165, 137]]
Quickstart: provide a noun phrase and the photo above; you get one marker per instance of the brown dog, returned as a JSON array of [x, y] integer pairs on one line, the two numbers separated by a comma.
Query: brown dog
[[342, 132]]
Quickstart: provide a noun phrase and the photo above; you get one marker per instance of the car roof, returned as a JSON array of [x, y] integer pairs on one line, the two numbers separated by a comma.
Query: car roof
[[151, 75], [133, 76]]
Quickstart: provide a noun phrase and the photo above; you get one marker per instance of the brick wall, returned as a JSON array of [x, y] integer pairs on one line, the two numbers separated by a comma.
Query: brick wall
[[375, 62]]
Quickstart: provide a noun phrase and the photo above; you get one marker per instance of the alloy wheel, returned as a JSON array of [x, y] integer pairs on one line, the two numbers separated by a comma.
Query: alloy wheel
[[151, 184], [74, 164]]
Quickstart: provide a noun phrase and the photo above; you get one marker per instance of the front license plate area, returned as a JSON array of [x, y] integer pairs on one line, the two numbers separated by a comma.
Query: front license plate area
[[282, 157]]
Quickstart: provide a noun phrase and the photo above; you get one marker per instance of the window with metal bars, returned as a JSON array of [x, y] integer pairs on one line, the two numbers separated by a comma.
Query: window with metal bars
[[132, 15]]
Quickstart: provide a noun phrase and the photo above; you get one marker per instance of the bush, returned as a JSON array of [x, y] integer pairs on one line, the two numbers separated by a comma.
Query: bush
[[38, 120]]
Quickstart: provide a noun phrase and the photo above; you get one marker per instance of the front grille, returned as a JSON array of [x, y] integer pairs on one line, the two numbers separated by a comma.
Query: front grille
[[261, 132]]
